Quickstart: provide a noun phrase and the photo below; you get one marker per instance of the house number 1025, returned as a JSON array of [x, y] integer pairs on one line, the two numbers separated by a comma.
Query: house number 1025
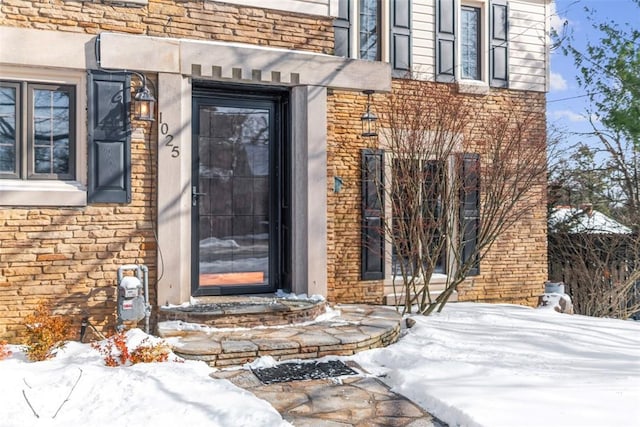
[[168, 140]]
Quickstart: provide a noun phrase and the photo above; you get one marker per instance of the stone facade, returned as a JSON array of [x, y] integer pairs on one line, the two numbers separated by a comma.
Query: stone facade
[[513, 271], [344, 208], [191, 19], [69, 256]]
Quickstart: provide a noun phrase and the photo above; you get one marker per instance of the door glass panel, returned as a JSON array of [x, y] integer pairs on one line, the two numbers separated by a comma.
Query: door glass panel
[[234, 165]]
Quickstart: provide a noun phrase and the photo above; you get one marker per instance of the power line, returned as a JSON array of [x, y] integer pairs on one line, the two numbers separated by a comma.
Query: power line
[[574, 97]]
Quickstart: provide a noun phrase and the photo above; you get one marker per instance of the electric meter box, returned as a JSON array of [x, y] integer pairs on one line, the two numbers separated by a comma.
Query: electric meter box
[[131, 302]]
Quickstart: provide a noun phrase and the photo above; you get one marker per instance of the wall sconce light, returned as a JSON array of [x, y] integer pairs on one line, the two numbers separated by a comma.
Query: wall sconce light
[[368, 120], [144, 102]]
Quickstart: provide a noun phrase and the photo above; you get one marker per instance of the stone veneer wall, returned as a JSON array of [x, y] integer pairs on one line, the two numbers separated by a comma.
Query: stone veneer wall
[[204, 20], [514, 270], [70, 256], [344, 146]]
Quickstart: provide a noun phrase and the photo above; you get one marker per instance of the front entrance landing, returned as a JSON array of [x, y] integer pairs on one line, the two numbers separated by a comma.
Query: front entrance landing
[[342, 331]]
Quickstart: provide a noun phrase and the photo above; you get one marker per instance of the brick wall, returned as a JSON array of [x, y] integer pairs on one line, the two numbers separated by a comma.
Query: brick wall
[[344, 145], [204, 20], [515, 268], [70, 256]]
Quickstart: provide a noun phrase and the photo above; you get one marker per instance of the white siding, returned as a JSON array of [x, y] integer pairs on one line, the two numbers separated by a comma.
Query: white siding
[[528, 56], [528, 29], [528, 40], [423, 39], [312, 7]]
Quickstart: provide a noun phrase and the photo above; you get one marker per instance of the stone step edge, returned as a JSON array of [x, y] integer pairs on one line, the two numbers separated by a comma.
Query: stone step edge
[[303, 352], [358, 327], [253, 318]]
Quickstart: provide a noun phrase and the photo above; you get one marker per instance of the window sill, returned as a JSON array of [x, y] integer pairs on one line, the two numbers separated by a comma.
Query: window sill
[[436, 279], [437, 286], [42, 193], [473, 87]]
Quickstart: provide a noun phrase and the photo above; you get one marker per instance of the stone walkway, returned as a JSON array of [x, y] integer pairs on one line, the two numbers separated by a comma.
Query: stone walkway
[[355, 400], [335, 402]]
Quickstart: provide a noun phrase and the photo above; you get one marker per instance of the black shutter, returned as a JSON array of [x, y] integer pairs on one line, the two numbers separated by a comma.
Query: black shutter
[[342, 30], [445, 40], [109, 169], [401, 37], [372, 260], [499, 52], [469, 166]]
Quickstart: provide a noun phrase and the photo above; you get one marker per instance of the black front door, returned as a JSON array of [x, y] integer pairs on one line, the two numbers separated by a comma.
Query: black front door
[[239, 205]]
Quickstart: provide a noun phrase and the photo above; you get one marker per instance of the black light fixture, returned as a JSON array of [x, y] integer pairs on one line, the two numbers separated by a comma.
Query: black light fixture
[[369, 120], [144, 102]]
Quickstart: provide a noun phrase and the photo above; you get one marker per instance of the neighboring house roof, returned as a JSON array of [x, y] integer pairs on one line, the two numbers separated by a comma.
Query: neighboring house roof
[[585, 220]]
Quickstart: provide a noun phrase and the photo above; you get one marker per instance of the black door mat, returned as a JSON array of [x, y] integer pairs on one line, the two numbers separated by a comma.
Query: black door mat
[[302, 371]]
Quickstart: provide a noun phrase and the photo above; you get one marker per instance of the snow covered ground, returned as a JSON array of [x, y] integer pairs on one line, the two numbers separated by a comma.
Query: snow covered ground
[[513, 366], [471, 365], [146, 394]]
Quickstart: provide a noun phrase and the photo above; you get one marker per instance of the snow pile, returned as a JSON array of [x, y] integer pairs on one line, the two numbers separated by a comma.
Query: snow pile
[[162, 394], [503, 365], [286, 295], [471, 365]]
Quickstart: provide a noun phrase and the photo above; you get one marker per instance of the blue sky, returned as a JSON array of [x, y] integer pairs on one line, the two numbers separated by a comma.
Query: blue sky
[[570, 113]]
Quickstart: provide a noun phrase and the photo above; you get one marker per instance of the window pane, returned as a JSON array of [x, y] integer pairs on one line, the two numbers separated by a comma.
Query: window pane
[[7, 159], [42, 160], [405, 204], [470, 35], [369, 30], [51, 129], [42, 131], [433, 188], [8, 130], [61, 156], [417, 216]]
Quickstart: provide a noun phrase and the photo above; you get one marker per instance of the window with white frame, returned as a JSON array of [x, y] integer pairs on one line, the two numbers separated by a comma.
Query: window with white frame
[[421, 208], [472, 41], [37, 131], [418, 217], [361, 28], [369, 30]]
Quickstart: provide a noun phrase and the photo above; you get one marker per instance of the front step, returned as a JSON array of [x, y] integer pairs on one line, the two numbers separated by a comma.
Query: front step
[[355, 328]]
